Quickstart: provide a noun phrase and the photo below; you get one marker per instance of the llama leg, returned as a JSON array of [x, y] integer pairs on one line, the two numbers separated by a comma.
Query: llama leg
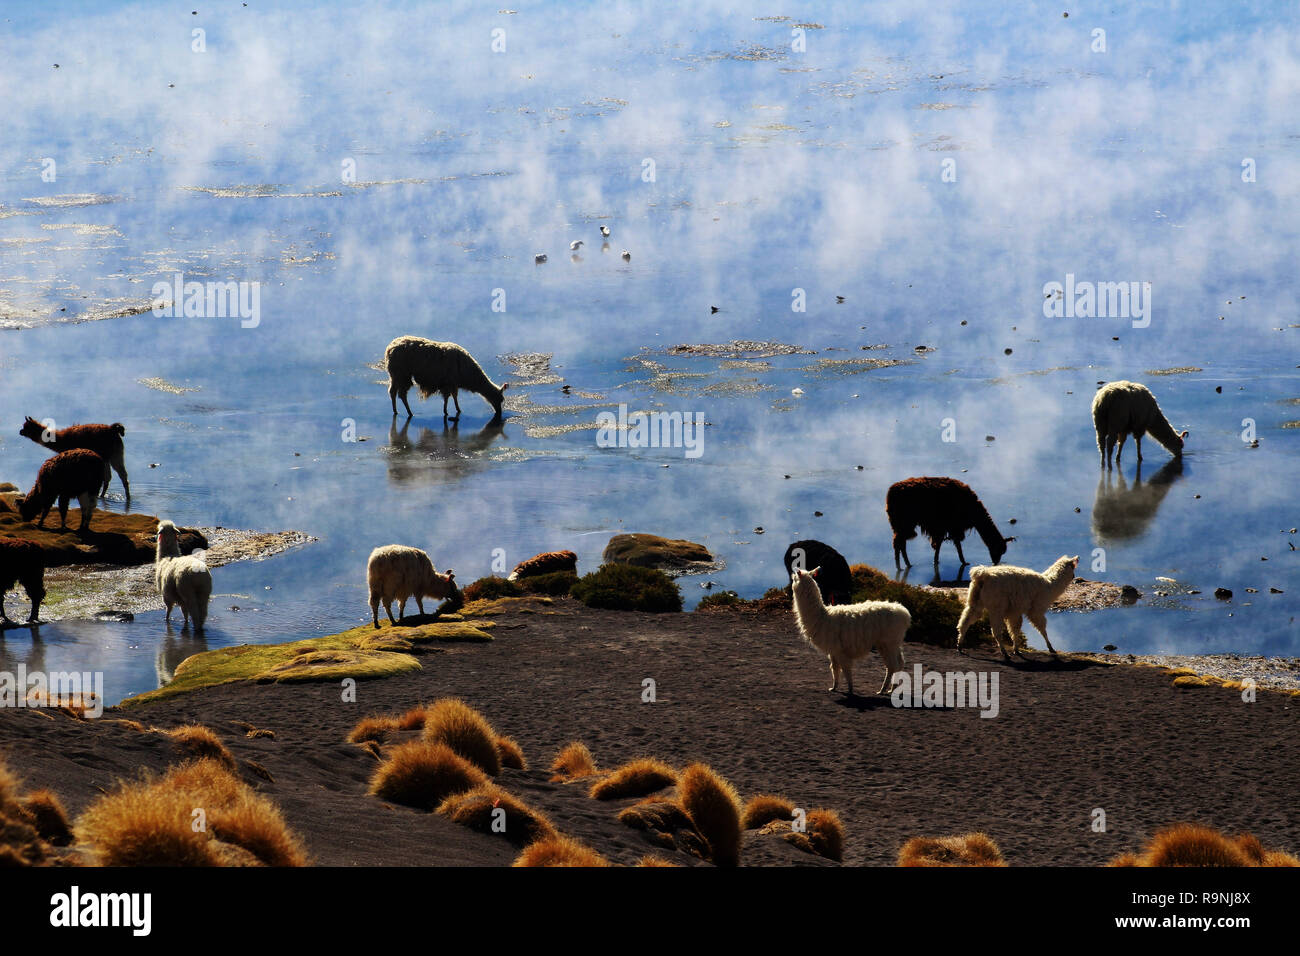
[[392, 395], [419, 601], [374, 609], [1018, 642], [835, 674], [444, 404], [964, 622], [848, 673], [64, 501], [168, 619], [87, 502], [401, 611], [388, 609], [1110, 449], [1119, 451], [1137, 440], [995, 625], [455, 397], [1039, 620], [35, 594], [960, 557], [108, 476], [119, 466]]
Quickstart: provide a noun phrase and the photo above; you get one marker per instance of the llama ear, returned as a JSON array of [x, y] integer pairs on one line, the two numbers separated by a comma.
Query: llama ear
[[505, 386], [1010, 539], [813, 572], [451, 575], [1183, 434]]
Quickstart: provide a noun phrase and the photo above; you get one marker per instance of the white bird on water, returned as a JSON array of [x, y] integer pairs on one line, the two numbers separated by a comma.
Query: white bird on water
[[539, 258], [575, 245], [627, 256], [604, 231]]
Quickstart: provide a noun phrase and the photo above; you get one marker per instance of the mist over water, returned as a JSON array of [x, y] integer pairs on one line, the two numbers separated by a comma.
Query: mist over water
[[380, 171]]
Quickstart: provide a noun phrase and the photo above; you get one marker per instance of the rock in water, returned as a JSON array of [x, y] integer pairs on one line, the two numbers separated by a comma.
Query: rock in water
[[653, 551]]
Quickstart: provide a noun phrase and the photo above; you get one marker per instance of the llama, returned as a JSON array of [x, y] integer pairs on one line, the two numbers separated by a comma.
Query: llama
[[1121, 409], [944, 508], [1009, 593], [69, 474], [437, 367], [849, 631], [103, 440], [834, 579], [396, 573], [22, 562], [547, 563], [181, 579]]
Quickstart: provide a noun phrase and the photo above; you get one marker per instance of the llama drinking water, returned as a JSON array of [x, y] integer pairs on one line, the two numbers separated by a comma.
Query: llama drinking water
[[1120, 409], [437, 367]]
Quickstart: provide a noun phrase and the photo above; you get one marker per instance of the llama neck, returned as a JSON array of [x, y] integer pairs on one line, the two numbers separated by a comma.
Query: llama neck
[[170, 549], [988, 531], [809, 610], [1163, 432]]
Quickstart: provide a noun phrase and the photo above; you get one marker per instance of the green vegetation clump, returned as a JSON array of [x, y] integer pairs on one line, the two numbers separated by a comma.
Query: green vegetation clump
[[934, 613], [625, 587]]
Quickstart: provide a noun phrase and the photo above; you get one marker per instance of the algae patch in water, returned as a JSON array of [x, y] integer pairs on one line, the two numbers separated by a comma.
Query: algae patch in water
[[1181, 370], [162, 385]]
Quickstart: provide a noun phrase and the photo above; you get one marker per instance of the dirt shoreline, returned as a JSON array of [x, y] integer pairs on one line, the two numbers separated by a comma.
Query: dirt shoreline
[[743, 693]]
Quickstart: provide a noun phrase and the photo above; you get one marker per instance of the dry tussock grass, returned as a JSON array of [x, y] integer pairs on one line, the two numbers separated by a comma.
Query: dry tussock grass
[[714, 807], [422, 774], [639, 778], [452, 722]]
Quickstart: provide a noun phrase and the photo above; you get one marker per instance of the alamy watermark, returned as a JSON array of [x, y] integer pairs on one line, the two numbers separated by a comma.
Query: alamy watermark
[[208, 300], [652, 430], [1102, 300], [53, 689], [947, 689]]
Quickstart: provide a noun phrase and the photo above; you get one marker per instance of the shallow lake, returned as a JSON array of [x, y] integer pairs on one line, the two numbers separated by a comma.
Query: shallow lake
[[387, 173]]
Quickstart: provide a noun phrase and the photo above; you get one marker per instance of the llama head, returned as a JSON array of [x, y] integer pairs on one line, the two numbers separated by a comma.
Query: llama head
[[499, 399], [167, 531], [998, 548], [26, 506], [32, 429], [804, 582], [1179, 437]]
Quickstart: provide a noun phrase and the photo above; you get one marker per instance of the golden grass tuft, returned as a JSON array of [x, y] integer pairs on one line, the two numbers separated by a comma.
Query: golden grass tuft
[[478, 809], [151, 822], [374, 727], [413, 719], [423, 774], [559, 851], [453, 722], [574, 762], [47, 816], [763, 808], [1190, 844], [196, 742], [511, 754], [639, 778], [651, 860], [20, 843], [826, 834], [258, 734], [1191, 680], [969, 849], [714, 806]]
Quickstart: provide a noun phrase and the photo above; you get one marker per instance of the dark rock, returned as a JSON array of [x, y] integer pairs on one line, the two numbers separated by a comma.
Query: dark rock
[[1223, 594]]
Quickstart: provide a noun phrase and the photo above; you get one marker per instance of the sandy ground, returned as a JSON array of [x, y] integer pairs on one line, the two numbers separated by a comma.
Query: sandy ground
[[741, 692]]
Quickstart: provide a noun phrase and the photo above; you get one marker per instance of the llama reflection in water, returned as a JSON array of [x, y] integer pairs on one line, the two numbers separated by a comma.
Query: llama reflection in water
[[1122, 511], [176, 646], [439, 455]]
